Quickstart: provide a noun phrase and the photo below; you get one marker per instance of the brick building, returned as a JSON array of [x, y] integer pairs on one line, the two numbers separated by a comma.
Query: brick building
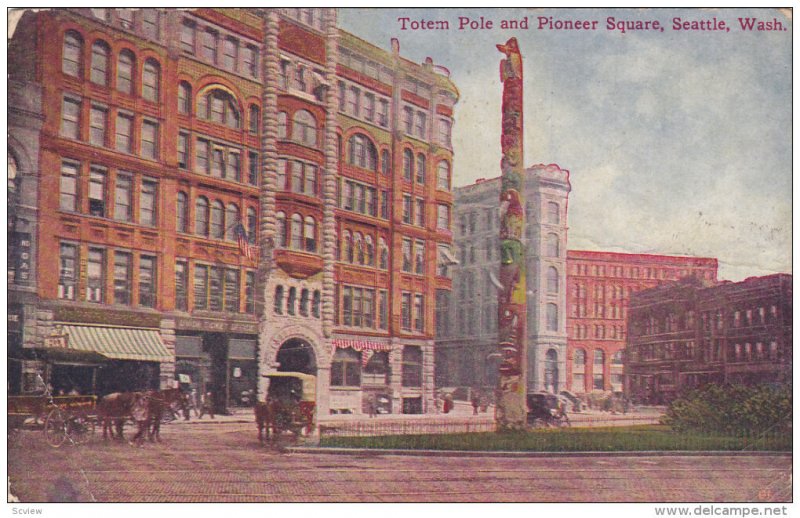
[[686, 334], [599, 288], [466, 346], [212, 194]]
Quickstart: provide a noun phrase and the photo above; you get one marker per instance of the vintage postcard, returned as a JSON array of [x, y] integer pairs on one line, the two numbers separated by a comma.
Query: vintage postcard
[[356, 255]]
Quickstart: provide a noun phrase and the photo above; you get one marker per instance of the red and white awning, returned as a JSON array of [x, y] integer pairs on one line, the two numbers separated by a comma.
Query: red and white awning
[[359, 345]]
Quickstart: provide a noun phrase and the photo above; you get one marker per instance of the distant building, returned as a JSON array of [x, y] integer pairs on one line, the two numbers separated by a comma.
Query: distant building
[[599, 288], [466, 346], [686, 334]]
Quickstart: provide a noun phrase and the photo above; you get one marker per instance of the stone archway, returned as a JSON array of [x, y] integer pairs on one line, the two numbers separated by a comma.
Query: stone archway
[[297, 355]]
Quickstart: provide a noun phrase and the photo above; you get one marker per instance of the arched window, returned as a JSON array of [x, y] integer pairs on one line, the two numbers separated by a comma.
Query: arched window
[[315, 304], [201, 216], [553, 215], [151, 80], [280, 224], [296, 232], [552, 317], [182, 213], [386, 162], [552, 280], [310, 234], [304, 300], [408, 165], [358, 247], [99, 72], [383, 251], [291, 301], [551, 245], [184, 98], [72, 53], [278, 303], [283, 125], [255, 119], [217, 220], [304, 128], [443, 175], [231, 221], [362, 153], [220, 107], [347, 247], [551, 371], [369, 247], [125, 67], [421, 168], [252, 225]]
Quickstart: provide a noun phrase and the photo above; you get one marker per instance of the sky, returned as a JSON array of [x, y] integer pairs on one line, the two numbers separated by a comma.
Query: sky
[[677, 142]]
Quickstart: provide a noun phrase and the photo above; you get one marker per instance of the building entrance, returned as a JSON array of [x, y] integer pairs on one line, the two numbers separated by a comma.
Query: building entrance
[[297, 355]]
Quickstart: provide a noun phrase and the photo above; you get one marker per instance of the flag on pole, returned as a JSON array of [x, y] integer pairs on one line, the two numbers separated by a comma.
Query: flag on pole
[[244, 244]]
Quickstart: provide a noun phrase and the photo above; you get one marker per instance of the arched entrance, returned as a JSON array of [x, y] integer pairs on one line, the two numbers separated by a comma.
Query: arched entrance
[[551, 371], [297, 355], [294, 356]]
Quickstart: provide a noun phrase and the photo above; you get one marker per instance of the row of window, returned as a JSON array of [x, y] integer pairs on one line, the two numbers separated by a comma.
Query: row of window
[[357, 197], [736, 352], [72, 114], [214, 288], [222, 50], [599, 358], [358, 249], [369, 107], [214, 219], [309, 303], [413, 256], [73, 59], [601, 292], [468, 222], [309, 16], [599, 332], [301, 76], [217, 159], [108, 194], [219, 106], [146, 22], [365, 308], [303, 128], [96, 275], [298, 177], [672, 322], [636, 272], [297, 233], [613, 311], [598, 382]]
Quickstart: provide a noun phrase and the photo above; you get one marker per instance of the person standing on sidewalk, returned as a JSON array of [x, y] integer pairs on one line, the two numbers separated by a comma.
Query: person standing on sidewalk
[[140, 412], [476, 401], [207, 406]]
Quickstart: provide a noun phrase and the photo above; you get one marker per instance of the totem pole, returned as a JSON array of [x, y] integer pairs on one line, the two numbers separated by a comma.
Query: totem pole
[[511, 407]]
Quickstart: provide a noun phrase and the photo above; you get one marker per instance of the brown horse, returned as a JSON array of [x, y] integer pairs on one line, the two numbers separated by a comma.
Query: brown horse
[[160, 402], [112, 411], [281, 415]]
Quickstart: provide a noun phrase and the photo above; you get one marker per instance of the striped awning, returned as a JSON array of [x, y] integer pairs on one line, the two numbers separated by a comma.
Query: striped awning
[[360, 345], [118, 343]]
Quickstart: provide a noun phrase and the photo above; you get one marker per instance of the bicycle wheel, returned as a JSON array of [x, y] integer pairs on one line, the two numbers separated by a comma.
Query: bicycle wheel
[[55, 429], [80, 429]]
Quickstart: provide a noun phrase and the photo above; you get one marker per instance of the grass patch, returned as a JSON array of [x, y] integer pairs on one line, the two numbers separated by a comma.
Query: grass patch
[[628, 438]]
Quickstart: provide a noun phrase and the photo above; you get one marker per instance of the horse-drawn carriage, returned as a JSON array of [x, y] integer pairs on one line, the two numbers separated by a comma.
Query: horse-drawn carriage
[[289, 406], [61, 418], [547, 410]]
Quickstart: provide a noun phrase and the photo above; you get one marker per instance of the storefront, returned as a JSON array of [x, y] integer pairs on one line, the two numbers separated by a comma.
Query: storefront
[[242, 371]]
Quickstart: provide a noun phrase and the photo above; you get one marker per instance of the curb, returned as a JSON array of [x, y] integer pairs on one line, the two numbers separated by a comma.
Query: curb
[[533, 454]]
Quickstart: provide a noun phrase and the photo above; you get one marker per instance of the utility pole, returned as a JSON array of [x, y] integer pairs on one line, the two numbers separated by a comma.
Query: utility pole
[[511, 409]]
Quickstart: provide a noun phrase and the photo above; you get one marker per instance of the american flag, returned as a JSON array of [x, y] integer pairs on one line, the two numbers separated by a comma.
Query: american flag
[[244, 244]]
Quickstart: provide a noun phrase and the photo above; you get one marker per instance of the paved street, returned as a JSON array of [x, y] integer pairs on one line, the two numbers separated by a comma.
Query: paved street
[[224, 463]]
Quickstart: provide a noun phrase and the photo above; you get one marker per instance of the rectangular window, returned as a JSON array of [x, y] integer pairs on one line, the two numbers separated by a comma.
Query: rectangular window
[[419, 257], [71, 118], [383, 309], [281, 180], [201, 156], [422, 125], [445, 133], [297, 177], [147, 281], [369, 107], [149, 147], [233, 168], [147, 203], [208, 46], [217, 162], [353, 101], [252, 172], [68, 271], [230, 54], [310, 180], [250, 292], [68, 198], [181, 285], [347, 306], [407, 255], [371, 206], [97, 125], [419, 313], [124, 132], [369, 308], [407, 209], [412, 366], [408, 119], [95, 275], [284, 74], [420, 213], [443, 217], [385, 204], [231, 290], [383, 113], [187, 37], [200, 287], [183, 150], [250, 58], [97, 192], [215, 289], [123, 192], [150, 26], [406, 311]]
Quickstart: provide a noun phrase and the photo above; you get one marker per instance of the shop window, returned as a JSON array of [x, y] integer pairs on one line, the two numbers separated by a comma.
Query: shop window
[[346, 368], [412, 366]]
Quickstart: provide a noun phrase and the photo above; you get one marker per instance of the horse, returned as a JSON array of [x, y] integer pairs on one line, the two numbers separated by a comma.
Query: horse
[[281, 415], [265, 412], [161, 401], [112, 410]]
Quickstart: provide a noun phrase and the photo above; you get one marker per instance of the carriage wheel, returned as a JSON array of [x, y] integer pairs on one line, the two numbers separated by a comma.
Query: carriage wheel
[[55, 429], [80, 429]]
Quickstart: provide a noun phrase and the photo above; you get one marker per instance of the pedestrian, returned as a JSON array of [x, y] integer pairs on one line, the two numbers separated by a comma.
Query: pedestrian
[[448, 403], [140, 412], [476, 401], [371, 406], [207, 405]]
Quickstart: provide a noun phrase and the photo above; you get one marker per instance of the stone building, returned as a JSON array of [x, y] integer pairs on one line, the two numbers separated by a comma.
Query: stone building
[[223, 193], [466, 347], [599, 288], [689, 333]]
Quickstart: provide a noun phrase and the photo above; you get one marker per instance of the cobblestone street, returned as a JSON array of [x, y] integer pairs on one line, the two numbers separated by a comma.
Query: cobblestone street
[[224, 463]]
